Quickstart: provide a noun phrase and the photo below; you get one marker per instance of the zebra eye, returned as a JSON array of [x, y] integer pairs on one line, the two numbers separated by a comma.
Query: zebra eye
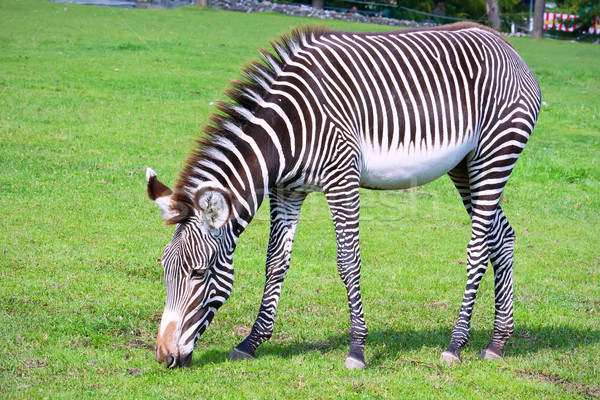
[[197, 273]]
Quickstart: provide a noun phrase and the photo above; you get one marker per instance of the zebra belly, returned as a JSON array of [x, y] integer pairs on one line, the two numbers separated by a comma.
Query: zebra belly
[[403, 169]]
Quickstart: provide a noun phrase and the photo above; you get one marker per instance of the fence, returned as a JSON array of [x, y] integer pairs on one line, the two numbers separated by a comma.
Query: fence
[[560, 22], [384, 10], [399, 12]]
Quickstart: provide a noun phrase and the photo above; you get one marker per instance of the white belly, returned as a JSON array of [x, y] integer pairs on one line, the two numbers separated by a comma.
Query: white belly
[[405, 168]]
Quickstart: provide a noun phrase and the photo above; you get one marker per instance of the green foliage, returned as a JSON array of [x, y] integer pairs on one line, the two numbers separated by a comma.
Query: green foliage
[[421, 5], [469, 9], [511, 5], [578, 6], [91, 96]]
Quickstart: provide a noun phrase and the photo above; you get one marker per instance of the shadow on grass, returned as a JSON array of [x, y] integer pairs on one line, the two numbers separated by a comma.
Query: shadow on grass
[[525, 340]]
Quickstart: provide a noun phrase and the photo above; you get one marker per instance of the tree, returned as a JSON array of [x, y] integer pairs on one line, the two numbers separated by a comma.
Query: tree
[[538, 18], [318, 3], [493, 13]]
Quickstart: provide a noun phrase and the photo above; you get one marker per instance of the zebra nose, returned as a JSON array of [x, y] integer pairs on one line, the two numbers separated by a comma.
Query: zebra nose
[[185, 361], [166, 357], [172, 361], [166, 346]]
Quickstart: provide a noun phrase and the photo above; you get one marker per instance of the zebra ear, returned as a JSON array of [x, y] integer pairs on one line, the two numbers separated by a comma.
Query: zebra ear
[[214, 203], [160, 194]]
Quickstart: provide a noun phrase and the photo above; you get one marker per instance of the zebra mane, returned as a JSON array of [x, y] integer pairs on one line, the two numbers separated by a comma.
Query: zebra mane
[[245, 95], [257, 76]]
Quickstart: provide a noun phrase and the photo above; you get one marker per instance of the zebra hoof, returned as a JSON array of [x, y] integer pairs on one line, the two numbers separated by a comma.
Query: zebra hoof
[[488, 354], [237, 355], [353, 363], [449, 358]]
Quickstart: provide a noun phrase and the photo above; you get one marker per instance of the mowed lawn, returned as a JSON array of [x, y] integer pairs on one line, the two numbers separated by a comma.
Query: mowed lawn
[[91, 96]]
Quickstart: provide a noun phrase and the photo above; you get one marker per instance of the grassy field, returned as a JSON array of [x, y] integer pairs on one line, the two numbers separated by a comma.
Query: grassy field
[[91, 96]]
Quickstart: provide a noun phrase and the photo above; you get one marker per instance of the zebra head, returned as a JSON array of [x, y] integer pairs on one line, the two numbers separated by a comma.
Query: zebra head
[[198, 267]]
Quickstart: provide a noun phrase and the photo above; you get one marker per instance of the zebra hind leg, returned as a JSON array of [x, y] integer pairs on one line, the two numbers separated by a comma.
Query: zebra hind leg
[[460, 178], [501, 243], [477, 261], [481, 199], [492, 238], [285, 212]]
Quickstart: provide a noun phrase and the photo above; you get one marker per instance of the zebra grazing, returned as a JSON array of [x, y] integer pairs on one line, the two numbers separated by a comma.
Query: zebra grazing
[[332, 112]]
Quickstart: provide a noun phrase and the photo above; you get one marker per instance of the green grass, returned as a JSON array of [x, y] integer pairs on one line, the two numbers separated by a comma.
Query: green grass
[[90, 96]]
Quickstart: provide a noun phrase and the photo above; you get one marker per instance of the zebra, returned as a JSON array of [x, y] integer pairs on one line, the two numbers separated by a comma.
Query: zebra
[[332, 112]]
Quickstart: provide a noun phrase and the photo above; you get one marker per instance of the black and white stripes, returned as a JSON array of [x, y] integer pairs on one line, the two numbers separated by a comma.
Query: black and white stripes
[[332, 112]]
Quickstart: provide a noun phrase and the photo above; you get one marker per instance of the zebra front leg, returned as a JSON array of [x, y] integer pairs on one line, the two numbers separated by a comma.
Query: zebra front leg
[[344, 204], [501, 244], [285, 211]]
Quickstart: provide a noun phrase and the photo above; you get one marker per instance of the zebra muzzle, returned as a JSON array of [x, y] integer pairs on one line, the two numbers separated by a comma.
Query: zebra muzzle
[[167, 349], [172, 361]]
